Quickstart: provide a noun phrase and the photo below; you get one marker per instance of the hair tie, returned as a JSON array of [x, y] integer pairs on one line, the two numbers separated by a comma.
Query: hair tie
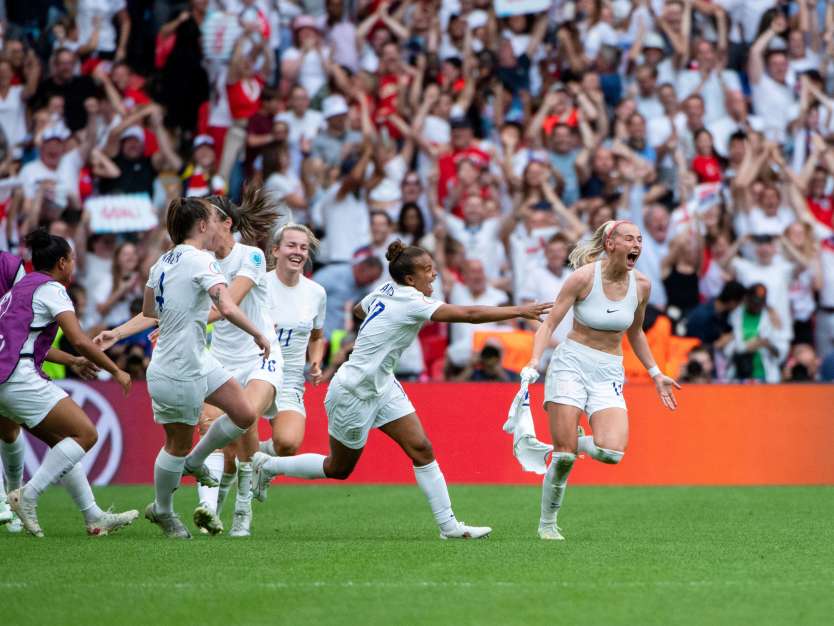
[[613, 228]]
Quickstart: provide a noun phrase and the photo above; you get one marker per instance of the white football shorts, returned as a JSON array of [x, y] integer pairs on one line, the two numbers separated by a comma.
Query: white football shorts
[[588, 379], [181, 401], [26, 398], [350, 419]]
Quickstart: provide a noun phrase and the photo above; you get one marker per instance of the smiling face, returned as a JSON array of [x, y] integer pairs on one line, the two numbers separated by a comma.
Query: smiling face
[[127, 259], [291, 252], [424, 275], [624, 244]]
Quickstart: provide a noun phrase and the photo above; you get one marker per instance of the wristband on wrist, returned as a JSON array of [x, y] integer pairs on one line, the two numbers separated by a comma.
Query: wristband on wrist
[[654, 370]]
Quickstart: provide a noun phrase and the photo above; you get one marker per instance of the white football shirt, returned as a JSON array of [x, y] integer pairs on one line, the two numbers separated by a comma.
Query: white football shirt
[[229, 344], [295, 311], [394, 315], [180, 280]]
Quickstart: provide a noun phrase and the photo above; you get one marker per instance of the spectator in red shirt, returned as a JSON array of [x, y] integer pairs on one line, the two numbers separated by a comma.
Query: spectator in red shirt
[[820, 205], [706, 165], [244, 85], [463, 145]]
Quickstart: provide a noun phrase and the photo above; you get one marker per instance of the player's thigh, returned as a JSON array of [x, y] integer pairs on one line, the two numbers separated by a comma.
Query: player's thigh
[[564, 420], [261, 394], [230, 398], [9, 430], [408, 433], [288, 432], [610, 427], [66, 419]]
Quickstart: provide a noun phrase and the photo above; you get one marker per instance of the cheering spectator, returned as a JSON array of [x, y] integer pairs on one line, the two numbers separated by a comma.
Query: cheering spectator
[[758, 344]]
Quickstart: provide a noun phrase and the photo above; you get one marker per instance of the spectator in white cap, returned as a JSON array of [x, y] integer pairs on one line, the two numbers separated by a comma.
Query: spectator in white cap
[[333, 141], [305, 63], [52, 178], [200, 177]]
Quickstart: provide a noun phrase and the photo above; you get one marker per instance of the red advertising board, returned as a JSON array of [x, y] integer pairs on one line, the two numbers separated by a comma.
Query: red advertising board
[[734, 434]]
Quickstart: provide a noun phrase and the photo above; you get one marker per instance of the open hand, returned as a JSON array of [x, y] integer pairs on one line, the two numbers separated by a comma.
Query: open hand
[[105, 339], [123, 378], [664, 385], [85, 369], [316, 375], [534, 311]]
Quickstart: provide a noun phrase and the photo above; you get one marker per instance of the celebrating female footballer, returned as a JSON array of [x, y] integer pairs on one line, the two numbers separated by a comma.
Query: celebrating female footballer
[[609, 298]]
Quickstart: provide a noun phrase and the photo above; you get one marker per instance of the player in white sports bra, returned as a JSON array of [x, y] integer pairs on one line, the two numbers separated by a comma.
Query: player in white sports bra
[[585, 374]]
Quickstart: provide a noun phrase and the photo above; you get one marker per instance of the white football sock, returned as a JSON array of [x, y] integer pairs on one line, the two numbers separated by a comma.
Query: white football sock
[[267, 447], [309, 466], [12, 457], [57, 462], [226, 482], [243, 499], [221, 433], [604, 455], [76, 483], [167, 472], [433, 485], [554, 485], [208, 495]]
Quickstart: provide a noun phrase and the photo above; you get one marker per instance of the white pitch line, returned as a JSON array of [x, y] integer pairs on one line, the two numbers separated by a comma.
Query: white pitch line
[[426, 584]]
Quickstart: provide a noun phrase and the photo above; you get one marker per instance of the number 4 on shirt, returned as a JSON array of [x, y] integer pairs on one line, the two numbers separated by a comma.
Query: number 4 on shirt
[[160, 299]]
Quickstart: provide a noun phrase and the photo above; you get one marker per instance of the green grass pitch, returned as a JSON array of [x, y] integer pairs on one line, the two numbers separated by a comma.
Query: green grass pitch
[[347, 554]]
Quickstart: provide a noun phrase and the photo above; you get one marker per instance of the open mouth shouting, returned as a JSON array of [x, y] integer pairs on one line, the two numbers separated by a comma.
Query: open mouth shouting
[[631, 258]]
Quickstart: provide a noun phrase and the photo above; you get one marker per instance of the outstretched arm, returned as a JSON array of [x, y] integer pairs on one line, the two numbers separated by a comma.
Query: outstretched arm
[[567, 297], [484, 314], [81, 342]]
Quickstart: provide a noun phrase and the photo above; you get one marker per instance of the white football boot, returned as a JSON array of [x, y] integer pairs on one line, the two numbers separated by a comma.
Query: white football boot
[[6, 514], [550, 532], [26, 511], [462, 531], [242, 523], [260, 479], [170, 523], [110, 522]]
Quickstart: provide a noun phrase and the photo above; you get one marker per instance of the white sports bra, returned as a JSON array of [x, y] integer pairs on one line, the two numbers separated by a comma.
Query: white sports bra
[[598, 312]]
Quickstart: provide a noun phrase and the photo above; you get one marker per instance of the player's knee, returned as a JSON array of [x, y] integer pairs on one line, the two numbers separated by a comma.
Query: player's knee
[[87, 437], [244, 417], [9, 436], [338, 472], [421, 452], [285, 446], [610, 455]]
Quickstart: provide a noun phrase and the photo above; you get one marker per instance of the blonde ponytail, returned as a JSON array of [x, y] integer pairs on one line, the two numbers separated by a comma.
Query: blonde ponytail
[[592, 249]]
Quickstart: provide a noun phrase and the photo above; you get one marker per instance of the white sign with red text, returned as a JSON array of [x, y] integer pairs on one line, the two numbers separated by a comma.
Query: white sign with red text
[[121, 213]]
